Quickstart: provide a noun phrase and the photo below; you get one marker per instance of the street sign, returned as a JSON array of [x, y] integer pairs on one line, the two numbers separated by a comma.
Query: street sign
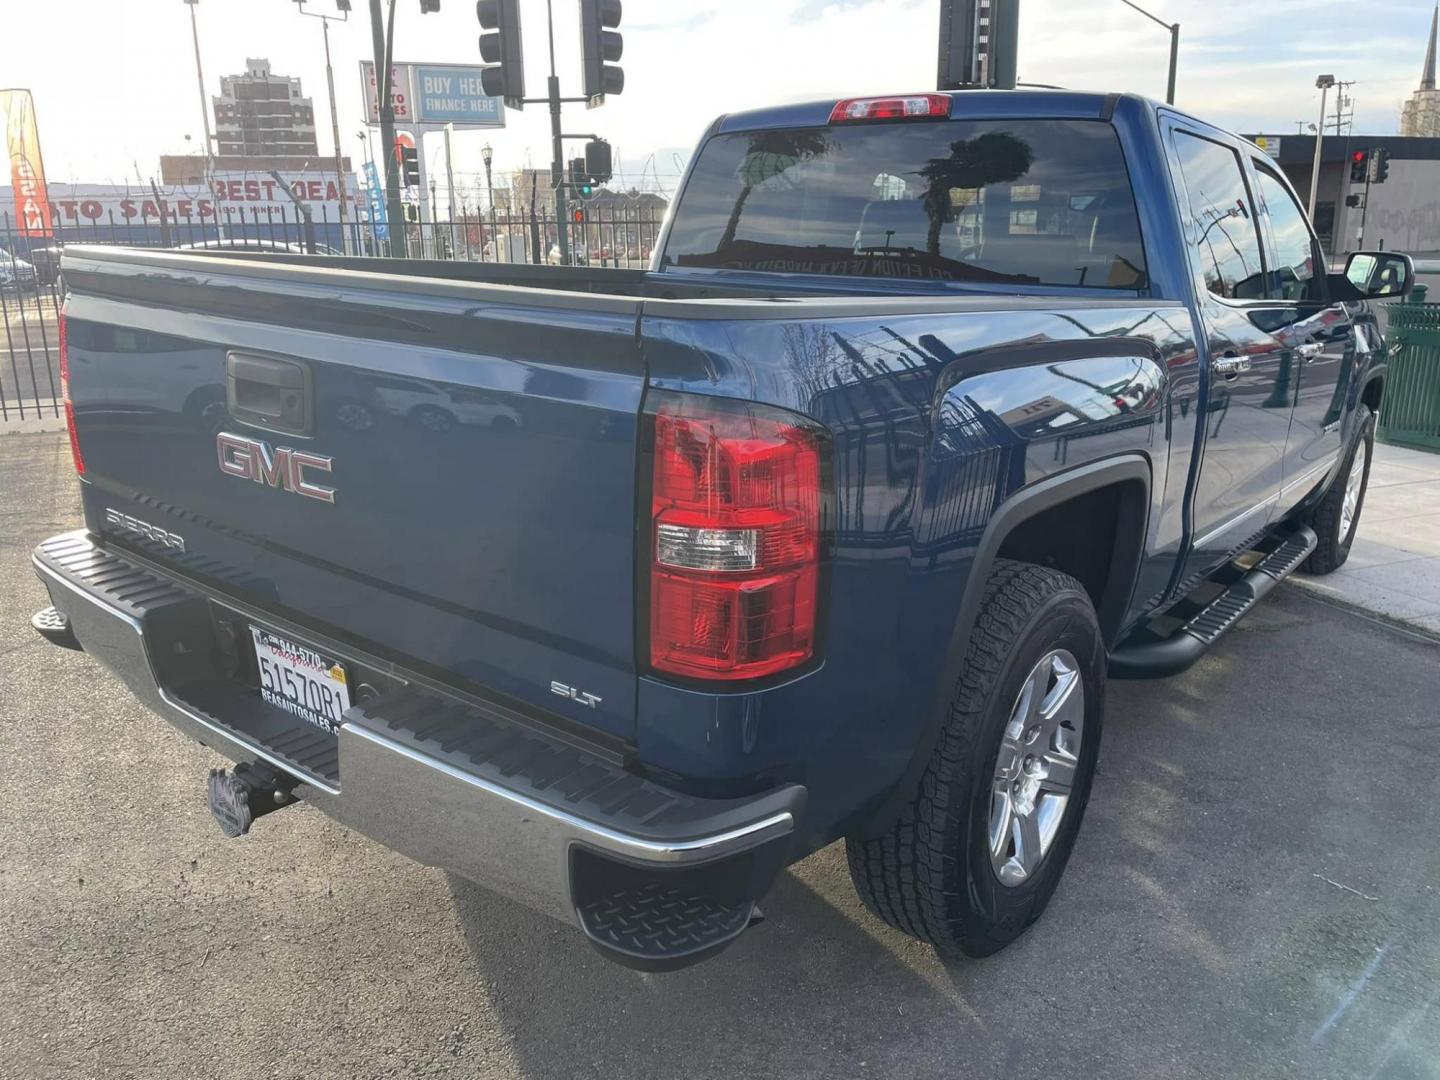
[[434, 95], [1270, 144], [452, 95]]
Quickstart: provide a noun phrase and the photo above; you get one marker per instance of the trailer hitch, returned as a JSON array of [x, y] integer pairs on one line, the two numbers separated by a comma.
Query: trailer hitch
[[253, 790]]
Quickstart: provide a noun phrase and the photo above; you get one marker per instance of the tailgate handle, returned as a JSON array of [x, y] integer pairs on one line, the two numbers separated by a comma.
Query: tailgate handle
[[269, 392]]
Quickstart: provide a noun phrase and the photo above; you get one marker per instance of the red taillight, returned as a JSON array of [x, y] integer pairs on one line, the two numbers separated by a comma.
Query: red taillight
[[900, 107], [734, 540], [65, 396]]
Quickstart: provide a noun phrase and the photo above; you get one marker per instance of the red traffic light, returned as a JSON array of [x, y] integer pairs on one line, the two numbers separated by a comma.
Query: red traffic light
[[578, 216], [1358, 156]]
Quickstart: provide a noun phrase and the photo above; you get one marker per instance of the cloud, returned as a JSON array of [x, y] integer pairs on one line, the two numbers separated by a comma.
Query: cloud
[[117, 87]]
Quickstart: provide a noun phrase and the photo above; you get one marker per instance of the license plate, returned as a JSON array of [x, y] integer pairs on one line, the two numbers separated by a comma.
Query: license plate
[[301, 681]]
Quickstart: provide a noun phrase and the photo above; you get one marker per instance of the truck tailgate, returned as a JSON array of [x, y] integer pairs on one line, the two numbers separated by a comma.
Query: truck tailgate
[[480, 443]]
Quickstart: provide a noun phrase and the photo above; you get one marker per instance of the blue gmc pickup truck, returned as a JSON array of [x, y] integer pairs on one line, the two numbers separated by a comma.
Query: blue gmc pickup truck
[[619, 591]]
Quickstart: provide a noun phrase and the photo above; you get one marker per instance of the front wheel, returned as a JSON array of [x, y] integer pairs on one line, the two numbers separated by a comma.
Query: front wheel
[[1336, 517], [973, 859]]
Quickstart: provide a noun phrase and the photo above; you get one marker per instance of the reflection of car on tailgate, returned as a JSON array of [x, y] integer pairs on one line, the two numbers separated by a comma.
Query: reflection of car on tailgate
[[437, 408]]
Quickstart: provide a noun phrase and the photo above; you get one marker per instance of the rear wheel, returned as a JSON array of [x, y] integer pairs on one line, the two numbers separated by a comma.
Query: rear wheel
[[1336, 517], [974, 858]]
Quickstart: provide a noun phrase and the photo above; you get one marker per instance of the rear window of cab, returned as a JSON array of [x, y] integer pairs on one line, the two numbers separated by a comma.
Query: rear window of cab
[[1023, 202]]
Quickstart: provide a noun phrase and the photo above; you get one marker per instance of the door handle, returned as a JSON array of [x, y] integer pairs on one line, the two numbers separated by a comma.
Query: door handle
[[1230, 364], [1310, 350]]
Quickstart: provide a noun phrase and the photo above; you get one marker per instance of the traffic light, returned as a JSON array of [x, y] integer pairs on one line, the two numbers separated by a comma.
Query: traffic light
[[500, 48], [1379, 166], [428, 6], [578, 215], [410, 166], [597, 161], [1352, 200], [1358, 158], [412, 213], [600, 47], [580, 182]]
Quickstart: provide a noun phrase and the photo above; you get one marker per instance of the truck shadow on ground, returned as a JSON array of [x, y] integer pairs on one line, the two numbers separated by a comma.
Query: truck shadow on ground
[[819, 988], [1199, 929]]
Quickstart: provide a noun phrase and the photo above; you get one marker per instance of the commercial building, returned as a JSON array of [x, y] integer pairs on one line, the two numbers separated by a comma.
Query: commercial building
[[261, 114], [1402, 214]]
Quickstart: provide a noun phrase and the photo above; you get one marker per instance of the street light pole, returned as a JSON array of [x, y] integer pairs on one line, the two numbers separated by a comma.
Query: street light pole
[[449, 187], [205, 119], [487, 154], [1323, 84], [334, 119], [1174, 29]]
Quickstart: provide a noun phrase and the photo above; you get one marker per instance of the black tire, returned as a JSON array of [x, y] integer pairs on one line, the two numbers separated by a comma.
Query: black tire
[[931, 874], [1327, 516]]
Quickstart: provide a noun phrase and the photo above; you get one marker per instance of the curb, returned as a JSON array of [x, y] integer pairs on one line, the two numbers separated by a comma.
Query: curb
[[1319, 593]]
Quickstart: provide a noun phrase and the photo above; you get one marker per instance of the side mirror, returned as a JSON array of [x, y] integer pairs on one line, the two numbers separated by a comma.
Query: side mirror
[[1380, 274]]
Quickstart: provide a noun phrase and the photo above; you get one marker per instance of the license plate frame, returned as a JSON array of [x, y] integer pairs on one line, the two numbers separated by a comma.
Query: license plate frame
[[299, 679]]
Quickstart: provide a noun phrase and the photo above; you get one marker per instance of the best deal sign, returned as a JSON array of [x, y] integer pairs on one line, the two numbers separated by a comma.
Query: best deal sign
[[236, 196]]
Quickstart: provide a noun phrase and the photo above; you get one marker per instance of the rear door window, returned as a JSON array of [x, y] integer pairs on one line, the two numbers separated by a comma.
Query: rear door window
[[1024, 202]]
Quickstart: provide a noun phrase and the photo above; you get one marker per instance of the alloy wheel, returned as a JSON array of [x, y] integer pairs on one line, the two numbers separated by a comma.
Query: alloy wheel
[[1035, 769]]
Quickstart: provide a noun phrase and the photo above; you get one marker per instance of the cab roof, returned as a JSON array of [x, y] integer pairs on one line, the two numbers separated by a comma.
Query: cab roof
[[967, 104]]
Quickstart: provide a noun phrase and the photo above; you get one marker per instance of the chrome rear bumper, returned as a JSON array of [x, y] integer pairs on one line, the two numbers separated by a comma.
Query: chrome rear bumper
[[453, 787]]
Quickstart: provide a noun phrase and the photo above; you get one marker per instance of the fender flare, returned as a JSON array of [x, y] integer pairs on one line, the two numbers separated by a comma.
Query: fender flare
[[1374, 373], [1014, 511]]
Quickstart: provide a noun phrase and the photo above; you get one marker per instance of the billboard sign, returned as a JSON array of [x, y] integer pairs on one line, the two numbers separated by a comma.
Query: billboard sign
[[27, 169], [434, 94], [399, 93], [238, 198], [453, 95]]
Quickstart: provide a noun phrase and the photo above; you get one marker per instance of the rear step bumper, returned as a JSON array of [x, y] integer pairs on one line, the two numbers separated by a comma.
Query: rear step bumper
[[1172, 655], [656, 878]]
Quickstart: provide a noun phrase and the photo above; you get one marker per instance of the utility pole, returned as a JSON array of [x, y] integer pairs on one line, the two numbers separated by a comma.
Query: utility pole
[[335, 120], [1323, 84], [382, 33], [557, 147], [1342, 99], [978, 44]]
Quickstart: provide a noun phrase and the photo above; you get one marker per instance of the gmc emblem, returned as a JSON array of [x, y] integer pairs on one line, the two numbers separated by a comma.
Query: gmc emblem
[[283, 468]]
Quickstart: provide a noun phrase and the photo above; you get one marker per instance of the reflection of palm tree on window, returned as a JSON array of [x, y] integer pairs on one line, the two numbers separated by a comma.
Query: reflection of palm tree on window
[[769, 155], [1217, 216], [996, 157]]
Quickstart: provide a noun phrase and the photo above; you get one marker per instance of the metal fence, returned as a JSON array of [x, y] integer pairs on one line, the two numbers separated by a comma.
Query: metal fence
[[616, 233], [1410, 412]]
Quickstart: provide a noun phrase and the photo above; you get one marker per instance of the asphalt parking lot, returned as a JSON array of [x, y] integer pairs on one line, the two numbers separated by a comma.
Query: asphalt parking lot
[[1256, 893]]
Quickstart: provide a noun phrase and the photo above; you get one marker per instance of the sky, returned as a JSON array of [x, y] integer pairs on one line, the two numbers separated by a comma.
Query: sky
[[114, 80]]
